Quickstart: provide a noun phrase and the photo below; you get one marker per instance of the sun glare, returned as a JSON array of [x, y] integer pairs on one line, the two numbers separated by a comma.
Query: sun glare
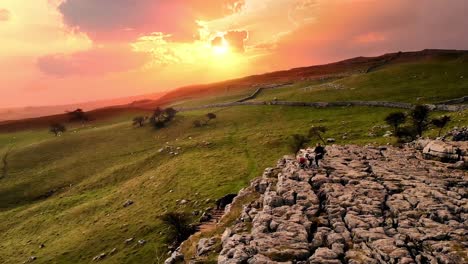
[[221, 49]]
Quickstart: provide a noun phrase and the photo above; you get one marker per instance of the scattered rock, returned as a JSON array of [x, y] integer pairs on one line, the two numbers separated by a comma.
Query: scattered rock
[[331, 140], [205, 245], [176, 257], [458, 134], [100, 257], [129, 240], [128, 203]]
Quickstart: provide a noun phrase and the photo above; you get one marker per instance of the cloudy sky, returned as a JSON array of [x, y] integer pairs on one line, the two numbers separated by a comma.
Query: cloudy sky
[[64, 51]]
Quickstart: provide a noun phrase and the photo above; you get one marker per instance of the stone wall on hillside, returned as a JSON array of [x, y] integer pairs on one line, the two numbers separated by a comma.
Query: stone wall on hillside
[[399, 105], [363, 205]]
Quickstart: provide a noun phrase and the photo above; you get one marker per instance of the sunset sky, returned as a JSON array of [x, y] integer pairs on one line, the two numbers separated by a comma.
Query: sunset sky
[[66, 51]]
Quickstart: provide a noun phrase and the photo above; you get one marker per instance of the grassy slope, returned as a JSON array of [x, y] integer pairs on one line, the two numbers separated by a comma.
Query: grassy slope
[[97, 168], [433, 80]]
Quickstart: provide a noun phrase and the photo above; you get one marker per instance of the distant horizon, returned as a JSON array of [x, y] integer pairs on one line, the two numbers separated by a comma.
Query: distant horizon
[[124, 97]]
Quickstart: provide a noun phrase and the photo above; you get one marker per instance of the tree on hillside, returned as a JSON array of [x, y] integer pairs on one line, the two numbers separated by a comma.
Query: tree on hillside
[[297, 142], [170, 113], [317, 131], [57, 128], [178, 226], [395, 120], [160, 117], [197, 123], [441, 122], [139, 120], [78, 115], [210, 116], [420, 117]]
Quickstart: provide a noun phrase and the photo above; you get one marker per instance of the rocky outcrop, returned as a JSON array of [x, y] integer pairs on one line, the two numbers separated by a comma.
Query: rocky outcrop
[[363, 205], [445, 151], [458, 134]]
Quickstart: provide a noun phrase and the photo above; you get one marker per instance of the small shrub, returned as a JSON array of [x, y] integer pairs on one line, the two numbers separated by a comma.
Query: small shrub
[[57, 128], [420, 117], [406, 134], [297, 142], [197, 123], [179, 227], [139, 121], [210, 116], [395, 120], [441, 122], [78, 115]]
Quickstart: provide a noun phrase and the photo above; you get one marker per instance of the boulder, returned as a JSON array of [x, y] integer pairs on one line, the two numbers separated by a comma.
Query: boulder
[[100, 257], [175, 257], [128, 203], [205, 245], [444, 151]]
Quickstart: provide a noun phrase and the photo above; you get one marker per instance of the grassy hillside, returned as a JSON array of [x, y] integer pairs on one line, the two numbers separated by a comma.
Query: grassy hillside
[[68, 192], [429, 81]]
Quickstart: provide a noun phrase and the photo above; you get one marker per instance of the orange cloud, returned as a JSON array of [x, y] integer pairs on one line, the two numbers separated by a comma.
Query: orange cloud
[[370, 37], [4, 15], [97, 61], [119, 20]]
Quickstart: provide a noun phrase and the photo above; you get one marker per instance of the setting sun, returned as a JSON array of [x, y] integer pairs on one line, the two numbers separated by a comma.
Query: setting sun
[[221, 48]]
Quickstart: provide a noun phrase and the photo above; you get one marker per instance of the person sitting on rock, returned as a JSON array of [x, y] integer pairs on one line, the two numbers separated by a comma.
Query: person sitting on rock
[[310, 158], [302, 162], [319, 153]]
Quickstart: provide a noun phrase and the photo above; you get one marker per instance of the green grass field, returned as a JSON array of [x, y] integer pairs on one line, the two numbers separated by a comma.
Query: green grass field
[[68, 192], [419, 82]]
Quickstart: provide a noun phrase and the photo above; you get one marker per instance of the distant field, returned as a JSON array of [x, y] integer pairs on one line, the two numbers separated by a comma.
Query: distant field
[[422, 82], [68, 192]]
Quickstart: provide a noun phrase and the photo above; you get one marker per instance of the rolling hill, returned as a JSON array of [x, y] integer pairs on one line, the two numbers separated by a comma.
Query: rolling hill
[[62, 198]]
